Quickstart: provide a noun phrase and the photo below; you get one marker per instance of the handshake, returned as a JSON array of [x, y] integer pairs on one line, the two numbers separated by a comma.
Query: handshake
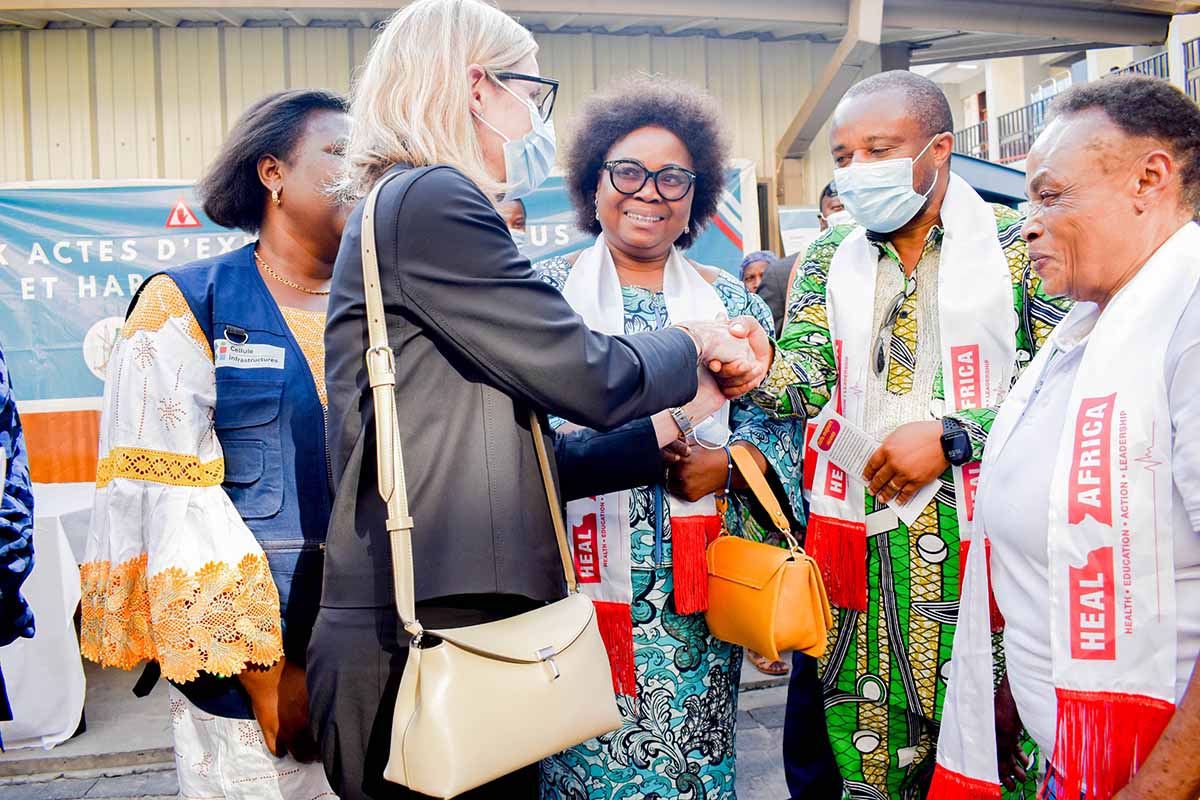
[[734, 354]]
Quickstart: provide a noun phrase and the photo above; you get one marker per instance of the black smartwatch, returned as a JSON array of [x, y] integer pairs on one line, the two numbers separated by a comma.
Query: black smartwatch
[[956, 444]]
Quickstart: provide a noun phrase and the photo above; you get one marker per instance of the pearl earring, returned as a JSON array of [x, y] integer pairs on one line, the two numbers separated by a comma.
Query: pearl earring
[[275, 197]]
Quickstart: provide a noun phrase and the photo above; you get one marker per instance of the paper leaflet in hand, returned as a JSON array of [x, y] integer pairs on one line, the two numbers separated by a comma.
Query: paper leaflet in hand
[[849, 448]]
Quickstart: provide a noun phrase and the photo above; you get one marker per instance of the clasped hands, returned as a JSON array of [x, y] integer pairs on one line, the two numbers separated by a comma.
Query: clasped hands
[[734, 357], [737, 352]]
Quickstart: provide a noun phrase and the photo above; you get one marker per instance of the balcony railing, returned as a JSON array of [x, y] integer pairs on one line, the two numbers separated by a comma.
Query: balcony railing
[[1191, 68], [1156, 66], [1018, 129], [972, 140]]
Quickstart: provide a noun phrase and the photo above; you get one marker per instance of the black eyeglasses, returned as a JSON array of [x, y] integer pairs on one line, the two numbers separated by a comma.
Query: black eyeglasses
[[883, 339], [629, 176], [547, 90]]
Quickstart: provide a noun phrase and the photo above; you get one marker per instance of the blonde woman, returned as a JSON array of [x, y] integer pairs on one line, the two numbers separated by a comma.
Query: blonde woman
[[451, 110]]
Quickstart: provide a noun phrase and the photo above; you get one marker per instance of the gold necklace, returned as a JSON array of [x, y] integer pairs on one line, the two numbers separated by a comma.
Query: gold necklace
[[267, 268]]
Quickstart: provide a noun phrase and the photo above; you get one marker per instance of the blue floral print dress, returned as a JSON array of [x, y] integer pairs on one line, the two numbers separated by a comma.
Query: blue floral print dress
[[677, 736]]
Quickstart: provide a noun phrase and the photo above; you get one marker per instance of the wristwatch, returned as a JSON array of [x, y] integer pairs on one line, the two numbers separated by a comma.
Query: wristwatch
[[956, 444], [687, 431]]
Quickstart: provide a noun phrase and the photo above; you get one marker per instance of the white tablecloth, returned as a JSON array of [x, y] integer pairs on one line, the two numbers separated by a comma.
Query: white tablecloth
[[45, 674]]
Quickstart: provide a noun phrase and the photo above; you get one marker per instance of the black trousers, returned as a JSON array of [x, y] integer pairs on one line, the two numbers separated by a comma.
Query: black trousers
[[355, 661], [808, 761]]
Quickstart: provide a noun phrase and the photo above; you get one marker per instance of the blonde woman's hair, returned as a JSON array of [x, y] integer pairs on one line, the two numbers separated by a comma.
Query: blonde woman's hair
[[411, 100]]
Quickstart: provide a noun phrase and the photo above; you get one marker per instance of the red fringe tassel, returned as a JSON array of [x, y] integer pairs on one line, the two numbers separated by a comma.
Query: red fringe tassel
[[840, 548], [993, 610], [616, 629], [1103, 738], [949, 785], [690, 537]]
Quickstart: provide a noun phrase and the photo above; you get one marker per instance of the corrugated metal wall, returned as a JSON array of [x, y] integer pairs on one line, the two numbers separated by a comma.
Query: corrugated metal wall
[[155, 102]]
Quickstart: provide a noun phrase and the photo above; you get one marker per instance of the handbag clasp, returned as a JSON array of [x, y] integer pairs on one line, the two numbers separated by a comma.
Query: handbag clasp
[[546, 655]]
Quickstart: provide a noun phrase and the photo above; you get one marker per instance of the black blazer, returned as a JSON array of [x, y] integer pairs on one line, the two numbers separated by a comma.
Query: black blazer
[[478, 339]]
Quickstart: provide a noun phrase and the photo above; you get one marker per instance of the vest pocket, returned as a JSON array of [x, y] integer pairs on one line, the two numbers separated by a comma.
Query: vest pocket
[[247, 425]]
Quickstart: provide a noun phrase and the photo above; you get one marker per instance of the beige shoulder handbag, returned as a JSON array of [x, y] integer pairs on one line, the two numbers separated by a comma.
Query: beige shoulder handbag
[[487, 699]]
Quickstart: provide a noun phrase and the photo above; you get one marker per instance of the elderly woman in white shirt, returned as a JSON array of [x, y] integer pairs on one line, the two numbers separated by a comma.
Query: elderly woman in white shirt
[[1090, 494]]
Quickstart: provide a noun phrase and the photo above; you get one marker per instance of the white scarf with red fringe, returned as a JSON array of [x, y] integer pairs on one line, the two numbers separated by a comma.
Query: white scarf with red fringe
[[978, 343], [1111, 553], [598, 526]]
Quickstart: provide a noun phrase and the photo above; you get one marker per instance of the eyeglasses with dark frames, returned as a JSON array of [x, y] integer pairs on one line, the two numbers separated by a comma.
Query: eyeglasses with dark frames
[[547, 90], [629, 176]]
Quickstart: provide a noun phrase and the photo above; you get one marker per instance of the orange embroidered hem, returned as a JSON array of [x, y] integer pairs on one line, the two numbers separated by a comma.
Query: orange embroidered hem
[[216, 620]]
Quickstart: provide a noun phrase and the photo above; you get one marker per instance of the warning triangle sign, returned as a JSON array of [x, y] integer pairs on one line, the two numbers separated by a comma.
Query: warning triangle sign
[[182, 217]]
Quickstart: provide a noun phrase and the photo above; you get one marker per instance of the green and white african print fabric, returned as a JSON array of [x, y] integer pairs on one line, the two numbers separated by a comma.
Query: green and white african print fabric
[[885, 670]]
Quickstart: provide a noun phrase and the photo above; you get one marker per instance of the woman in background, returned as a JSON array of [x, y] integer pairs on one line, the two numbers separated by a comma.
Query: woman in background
[[213, 490], [753, 267]]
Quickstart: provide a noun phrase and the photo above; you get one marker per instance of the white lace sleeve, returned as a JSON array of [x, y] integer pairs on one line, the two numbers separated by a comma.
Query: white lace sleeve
[[171, 572]]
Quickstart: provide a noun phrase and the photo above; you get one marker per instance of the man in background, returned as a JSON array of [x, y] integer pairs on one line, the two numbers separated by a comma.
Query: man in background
[[774, 285]]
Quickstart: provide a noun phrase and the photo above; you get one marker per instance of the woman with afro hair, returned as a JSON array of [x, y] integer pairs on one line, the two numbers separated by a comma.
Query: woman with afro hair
[[645, 174]]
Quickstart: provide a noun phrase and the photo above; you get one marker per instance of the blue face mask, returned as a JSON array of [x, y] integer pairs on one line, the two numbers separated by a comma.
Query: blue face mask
[[528, 160], [879, 194]]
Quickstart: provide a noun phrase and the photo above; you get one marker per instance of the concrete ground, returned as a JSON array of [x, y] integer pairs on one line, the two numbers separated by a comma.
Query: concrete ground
[[126, 754]]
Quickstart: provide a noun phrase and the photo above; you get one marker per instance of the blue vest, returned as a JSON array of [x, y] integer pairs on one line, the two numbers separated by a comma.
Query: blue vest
[[272, 429]]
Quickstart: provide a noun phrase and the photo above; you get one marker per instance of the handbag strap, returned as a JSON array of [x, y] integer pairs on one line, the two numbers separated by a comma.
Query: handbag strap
[[381, 375], [762, 491]]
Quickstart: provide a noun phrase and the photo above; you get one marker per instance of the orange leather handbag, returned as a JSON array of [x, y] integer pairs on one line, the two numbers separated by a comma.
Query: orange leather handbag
[[761, 596]]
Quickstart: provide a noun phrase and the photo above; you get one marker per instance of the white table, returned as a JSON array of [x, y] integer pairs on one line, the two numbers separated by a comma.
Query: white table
[[45, 674]]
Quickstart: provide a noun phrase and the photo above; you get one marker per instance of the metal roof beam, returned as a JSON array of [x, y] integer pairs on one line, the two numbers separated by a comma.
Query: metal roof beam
[[861, 42], [811, 11], [19, 21], [236, 20], [166, 22], [742, 26], [689, 24], [92, 20], [969, 53], [559, 23], [1040, 20]]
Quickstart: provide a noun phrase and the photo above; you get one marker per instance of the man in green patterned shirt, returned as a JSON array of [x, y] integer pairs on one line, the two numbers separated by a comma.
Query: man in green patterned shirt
[[896, 600]]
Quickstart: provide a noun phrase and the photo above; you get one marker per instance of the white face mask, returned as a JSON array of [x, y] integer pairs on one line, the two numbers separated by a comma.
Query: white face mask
[[879, 195], [842, 217], [528, 160]]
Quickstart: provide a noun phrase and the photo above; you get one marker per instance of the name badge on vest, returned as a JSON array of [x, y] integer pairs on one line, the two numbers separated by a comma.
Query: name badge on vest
[[247, 356]]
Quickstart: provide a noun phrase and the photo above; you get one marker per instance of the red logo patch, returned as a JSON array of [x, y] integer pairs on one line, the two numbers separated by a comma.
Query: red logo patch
[[586, 567], [829, 434], [970, 474], [967, 376], [810, 456], [1093, 609], [1090, 487], [835, 483]]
